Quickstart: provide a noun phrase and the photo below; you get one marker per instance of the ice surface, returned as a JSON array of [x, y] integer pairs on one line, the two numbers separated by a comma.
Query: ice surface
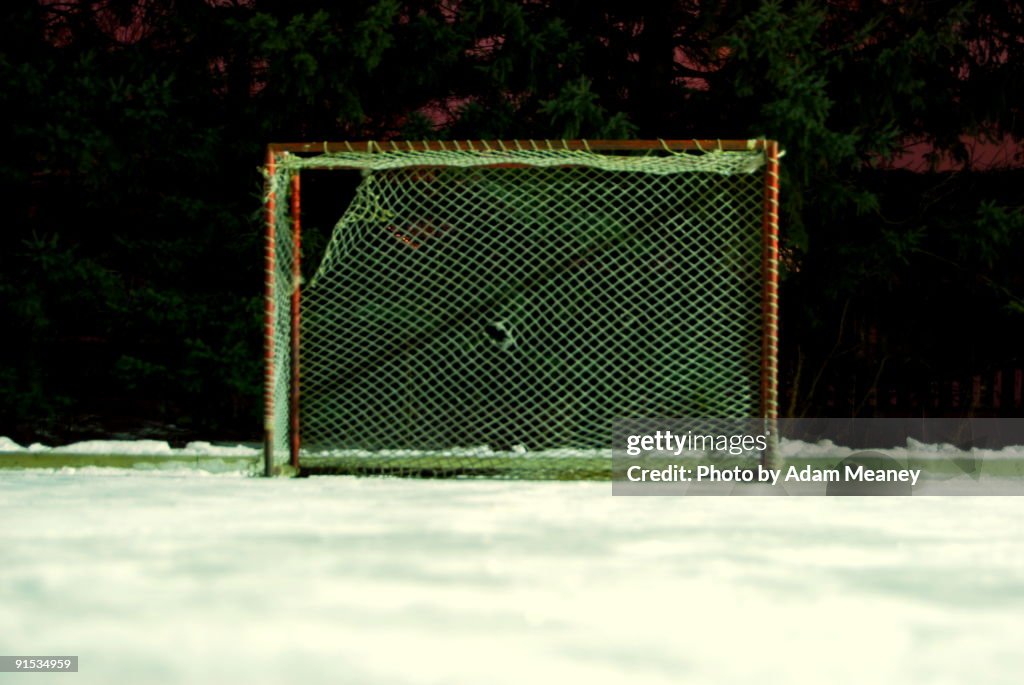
[[190, 577]]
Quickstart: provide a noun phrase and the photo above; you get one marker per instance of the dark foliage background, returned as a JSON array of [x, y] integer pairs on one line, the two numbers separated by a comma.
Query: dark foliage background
[[130, 267]]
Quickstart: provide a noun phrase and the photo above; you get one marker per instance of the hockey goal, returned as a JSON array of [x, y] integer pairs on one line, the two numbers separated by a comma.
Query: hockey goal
[[490, 308]]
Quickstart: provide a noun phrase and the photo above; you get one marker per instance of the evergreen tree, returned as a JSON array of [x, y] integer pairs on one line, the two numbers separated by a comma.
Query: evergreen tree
[[133, 132]]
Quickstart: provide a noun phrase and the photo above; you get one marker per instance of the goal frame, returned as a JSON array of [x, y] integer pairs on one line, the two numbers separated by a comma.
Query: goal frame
[[768, 399]]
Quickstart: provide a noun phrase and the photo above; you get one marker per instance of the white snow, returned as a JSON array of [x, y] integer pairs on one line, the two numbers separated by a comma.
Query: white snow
[[206, 449], [138, 447], [118, 447], [796, 449], [788, 449], [190, 577]]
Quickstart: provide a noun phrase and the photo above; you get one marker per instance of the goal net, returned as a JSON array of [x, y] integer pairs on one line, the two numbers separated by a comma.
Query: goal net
[[491, 308]]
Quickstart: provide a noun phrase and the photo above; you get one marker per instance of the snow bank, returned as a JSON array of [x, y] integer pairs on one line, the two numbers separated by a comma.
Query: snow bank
[[788, 449], [139, 447]]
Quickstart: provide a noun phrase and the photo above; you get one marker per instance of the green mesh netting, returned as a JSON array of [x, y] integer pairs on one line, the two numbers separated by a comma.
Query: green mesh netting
[[492, 313]]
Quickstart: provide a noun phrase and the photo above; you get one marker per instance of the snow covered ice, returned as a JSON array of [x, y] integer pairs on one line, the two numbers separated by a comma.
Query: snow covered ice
[[182, 576]]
